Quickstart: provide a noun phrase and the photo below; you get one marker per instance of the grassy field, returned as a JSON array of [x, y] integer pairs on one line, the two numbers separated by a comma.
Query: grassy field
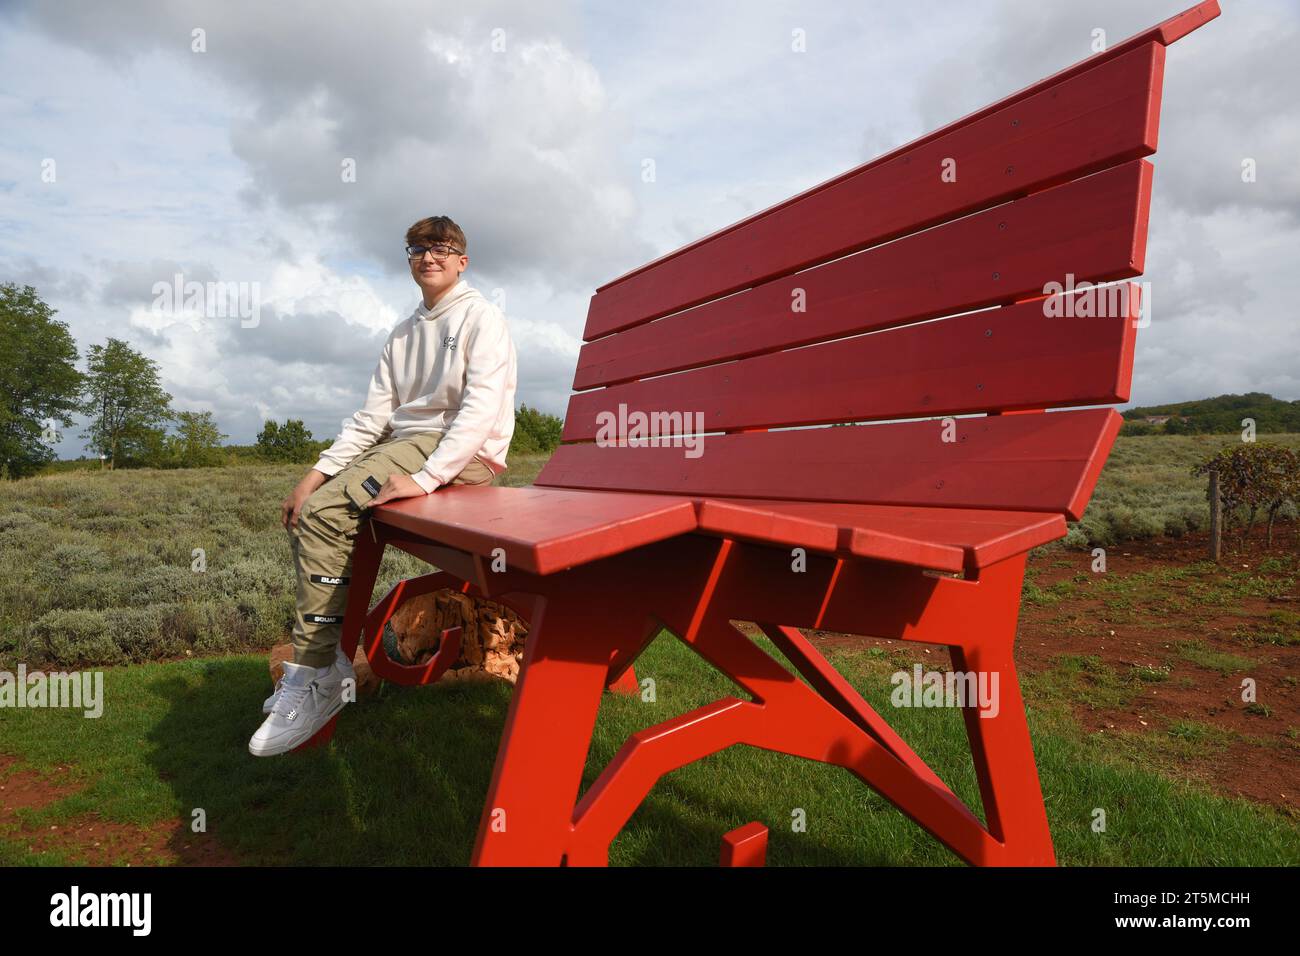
[[402, 782], [1146, 488], [99, 564], [99, 571]]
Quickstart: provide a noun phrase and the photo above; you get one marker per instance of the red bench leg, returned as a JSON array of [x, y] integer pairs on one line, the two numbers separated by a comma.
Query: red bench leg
[[745, 846], [1004, 761], [626, 683], [366, 557], [528, 814], [788, 717]]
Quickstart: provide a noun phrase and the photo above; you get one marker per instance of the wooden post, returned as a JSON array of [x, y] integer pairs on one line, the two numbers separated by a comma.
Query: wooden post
[[1216, 519]]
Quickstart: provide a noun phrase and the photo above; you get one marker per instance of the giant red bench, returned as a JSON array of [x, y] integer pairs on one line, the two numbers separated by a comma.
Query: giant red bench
[[913, 526]]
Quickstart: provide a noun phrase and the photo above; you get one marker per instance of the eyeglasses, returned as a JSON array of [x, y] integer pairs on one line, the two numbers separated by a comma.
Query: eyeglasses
[[439, 252]]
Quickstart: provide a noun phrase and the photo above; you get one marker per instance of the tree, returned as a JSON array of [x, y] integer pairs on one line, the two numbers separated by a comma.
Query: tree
[[147, 447], [288, 442], [196, 444], [124, 400], [535, 432], [39, 381], [199, 440], [1130, 427]]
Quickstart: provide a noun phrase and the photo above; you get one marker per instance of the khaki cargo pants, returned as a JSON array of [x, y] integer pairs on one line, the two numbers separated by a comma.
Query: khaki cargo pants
[[327, 529]]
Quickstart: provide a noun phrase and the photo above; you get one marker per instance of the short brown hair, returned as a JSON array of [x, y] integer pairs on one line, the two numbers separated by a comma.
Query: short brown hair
[[437, 229]]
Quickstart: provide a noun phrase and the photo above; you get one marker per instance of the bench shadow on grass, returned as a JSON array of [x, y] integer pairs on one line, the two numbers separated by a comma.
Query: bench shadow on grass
[[660, 833], [402, 783]]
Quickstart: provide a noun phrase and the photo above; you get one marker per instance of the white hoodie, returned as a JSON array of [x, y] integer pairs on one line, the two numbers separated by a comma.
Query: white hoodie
[[449, 369]]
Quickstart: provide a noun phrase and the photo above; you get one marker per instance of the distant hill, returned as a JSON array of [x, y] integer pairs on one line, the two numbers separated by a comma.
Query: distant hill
[[1219, 415]]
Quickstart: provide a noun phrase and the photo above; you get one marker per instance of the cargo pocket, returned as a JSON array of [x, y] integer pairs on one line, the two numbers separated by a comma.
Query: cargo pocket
[[361, 489], [327, 511], [338, 514]]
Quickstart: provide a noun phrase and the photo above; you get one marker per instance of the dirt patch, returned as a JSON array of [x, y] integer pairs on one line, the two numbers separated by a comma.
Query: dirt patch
[[1179, 671], [1206, 652], [89, 840]]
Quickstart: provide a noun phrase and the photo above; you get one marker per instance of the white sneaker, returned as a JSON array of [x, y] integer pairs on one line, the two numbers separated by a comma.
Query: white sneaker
[[340, 660], [308, 698]]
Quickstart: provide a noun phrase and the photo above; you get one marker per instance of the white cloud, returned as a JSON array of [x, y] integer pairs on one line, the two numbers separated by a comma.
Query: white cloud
[[529, 124]]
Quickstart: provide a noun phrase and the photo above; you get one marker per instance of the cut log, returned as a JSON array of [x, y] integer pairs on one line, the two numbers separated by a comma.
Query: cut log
[[492, 635], [491, 646]]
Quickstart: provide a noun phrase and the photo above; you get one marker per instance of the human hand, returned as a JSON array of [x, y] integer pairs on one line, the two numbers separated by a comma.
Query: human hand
[[397, 486], [292, 504]]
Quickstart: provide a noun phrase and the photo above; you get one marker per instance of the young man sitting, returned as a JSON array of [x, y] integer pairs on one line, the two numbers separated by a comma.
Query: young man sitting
[[439, 411]]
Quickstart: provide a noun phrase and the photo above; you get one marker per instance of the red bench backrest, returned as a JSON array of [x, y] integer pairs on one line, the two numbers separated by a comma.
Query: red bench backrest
[[845, 304]]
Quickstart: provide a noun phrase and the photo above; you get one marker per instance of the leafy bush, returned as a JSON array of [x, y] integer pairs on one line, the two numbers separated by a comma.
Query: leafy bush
[[291, 442], [1152, 477], [1254, 476], [196, 444], [535, 432]]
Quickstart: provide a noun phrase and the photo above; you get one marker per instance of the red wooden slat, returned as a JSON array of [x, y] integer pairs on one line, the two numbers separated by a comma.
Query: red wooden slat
[[541, 530], [1046, 462], [1093, 229], [1020, 356], [1108, 119], [771, 524], [737, 518], [946, 539], [667, 284]]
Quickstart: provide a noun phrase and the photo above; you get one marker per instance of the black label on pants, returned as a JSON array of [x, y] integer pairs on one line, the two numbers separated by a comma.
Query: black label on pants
[[326, 579], [321, 618], [371, 485]]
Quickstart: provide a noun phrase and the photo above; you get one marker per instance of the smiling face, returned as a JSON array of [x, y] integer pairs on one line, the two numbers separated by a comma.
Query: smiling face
[[436, 255], [435, 277]]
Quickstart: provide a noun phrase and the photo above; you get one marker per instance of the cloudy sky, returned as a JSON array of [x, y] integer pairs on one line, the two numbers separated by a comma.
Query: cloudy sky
[[528, 123]]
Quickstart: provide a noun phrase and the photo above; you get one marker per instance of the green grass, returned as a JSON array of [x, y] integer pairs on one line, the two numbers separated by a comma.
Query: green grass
[[1084, 680], [404, 779], [1148, 595], [1146, 488], [1200, 734], [1198, 653], [100, 565], [98, 571], [1282, 630]]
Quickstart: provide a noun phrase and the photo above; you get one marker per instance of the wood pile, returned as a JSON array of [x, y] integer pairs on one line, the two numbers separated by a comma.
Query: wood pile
[[491, 644], [491, 641]]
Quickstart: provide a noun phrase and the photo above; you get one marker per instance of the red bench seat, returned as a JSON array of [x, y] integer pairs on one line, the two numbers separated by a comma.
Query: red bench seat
[[545, 530]]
